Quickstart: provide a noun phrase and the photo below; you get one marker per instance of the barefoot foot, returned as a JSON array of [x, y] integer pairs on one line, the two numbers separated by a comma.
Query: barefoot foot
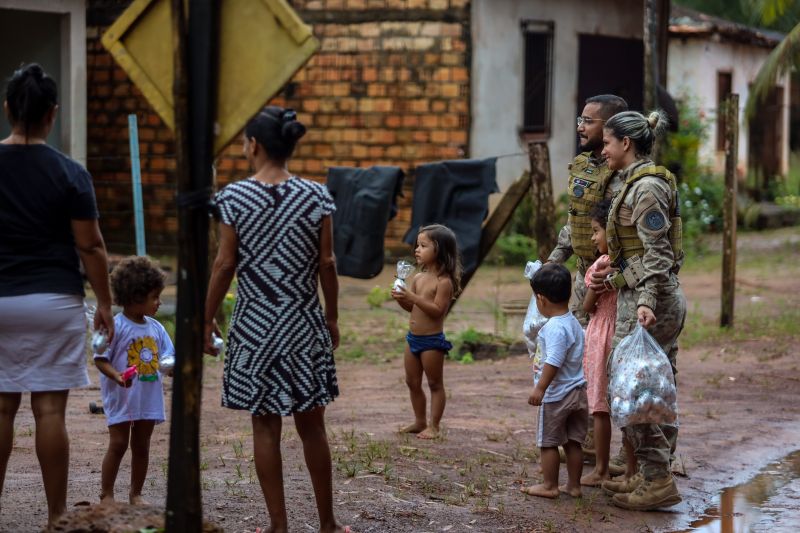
[[335, 529], [416, 427], [138, 500], [429, 434], [541, 491], [575, 492], [593, 479], [106, 498]]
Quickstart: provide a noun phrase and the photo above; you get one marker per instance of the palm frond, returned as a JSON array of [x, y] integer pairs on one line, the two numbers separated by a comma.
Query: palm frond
[[781, 60], [769, 10]]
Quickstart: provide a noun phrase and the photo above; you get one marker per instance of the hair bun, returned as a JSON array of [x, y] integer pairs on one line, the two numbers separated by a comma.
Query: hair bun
[[288, 115], [291, 129], [653, 119]]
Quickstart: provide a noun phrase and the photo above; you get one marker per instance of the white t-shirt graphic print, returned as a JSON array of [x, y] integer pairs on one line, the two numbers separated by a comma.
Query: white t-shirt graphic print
[[140, 345]]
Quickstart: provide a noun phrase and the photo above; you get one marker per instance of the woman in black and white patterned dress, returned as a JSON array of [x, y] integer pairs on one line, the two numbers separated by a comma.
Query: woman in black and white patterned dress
[[276, 236]]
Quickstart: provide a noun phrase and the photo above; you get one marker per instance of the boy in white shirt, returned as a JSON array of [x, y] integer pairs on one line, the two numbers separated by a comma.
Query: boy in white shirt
[[560, 388]]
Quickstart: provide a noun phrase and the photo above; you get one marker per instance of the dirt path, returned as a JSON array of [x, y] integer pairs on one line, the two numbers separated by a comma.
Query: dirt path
[[737, 399]]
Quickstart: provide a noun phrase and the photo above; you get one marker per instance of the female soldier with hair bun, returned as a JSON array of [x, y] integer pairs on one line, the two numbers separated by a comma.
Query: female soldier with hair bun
[[276, 235], [48, 217], [644, 245]]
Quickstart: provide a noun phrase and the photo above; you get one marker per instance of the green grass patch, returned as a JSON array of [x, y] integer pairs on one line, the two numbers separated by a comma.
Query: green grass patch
[[779, 319]]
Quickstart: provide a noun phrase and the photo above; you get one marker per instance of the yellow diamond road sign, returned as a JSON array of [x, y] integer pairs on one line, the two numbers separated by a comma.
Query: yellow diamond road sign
[[262, 44]]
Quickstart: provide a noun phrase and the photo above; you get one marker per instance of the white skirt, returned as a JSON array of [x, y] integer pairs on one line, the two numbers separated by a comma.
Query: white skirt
[[42, 343]]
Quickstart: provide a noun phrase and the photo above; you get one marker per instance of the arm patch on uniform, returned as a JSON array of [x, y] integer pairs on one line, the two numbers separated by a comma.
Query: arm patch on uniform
[[654, 220]]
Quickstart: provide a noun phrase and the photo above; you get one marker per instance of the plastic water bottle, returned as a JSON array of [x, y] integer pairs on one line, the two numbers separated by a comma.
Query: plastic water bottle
[[217, 343]]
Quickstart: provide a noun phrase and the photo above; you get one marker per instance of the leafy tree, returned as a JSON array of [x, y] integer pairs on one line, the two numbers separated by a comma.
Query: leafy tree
[[784, 58]]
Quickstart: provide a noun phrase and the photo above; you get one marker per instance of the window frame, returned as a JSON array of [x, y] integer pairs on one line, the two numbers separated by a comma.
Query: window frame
[[544, 28]]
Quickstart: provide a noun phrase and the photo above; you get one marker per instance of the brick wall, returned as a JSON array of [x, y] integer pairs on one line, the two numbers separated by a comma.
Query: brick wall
[[390, 86]]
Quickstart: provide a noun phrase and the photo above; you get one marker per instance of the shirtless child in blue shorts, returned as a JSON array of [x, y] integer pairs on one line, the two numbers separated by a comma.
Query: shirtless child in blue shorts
[[428, 299]]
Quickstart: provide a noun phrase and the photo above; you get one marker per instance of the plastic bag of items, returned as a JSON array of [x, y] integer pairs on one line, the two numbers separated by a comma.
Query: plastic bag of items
[[533, 318], [641, 385]]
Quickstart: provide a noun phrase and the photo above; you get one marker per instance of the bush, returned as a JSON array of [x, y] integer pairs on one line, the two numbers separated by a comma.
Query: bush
[[514, 249], [700, 192], [681, 151], [378, 296], [701, 209], [471, 344]]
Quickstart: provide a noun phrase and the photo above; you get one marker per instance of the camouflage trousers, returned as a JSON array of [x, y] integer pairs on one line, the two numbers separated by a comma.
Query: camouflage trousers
[[654, 444]]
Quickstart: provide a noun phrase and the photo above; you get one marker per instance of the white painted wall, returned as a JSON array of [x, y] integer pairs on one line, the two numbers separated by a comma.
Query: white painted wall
[[72, 85], [692, 68], [498, 74]]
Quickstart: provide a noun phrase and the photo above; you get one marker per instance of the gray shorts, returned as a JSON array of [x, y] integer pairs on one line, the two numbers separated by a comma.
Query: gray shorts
[[564, 420]]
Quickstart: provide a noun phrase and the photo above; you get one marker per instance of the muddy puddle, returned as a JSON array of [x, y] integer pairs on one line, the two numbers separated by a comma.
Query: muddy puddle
[[768, 502]]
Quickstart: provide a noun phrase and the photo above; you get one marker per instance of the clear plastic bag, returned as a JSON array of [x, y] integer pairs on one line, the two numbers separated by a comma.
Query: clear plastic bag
[[533, 319], [641, 385]]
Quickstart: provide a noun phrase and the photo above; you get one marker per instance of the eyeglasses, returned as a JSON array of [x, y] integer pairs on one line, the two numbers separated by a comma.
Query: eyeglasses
[[588, 121]]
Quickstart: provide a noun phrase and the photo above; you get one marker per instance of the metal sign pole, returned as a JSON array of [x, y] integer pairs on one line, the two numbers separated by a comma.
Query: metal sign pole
[[136, 175]]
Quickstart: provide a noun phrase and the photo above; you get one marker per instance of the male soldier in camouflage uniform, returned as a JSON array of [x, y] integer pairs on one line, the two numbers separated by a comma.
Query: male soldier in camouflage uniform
[[644, 239], [590, 181]]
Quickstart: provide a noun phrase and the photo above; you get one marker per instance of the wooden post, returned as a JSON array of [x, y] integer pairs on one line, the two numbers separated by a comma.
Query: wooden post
[[542, 195], [729, 210], [196, 65], [650, 41], [654, 37]]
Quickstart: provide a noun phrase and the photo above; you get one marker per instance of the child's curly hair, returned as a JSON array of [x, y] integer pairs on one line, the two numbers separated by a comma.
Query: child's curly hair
[[134, 278]]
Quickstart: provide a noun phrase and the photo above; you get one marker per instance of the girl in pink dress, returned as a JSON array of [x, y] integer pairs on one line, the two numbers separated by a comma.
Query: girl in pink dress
[[603, 310]]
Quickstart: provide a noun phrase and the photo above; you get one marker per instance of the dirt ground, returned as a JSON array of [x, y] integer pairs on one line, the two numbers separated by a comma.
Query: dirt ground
[[737, 397]]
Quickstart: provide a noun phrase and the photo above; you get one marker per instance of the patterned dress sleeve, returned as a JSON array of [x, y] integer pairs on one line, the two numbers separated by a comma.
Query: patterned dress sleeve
[[327, 205], [224, 202]]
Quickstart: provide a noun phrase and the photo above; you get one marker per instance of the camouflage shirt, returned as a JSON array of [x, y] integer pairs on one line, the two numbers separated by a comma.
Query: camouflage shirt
[[647, 201]]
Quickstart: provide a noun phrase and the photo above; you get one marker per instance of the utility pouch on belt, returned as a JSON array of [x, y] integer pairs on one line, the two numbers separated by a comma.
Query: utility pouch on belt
[[631, 272]]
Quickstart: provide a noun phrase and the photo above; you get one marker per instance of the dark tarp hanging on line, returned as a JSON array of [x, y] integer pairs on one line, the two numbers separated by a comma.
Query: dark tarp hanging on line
[[366, 199], [456, 194]]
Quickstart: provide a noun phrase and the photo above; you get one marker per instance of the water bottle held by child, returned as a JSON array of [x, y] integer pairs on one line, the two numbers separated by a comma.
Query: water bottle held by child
[[404, 269]]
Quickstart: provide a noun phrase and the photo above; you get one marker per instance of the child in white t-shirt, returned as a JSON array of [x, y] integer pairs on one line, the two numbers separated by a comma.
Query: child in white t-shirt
[[560, 388], [135, 406]]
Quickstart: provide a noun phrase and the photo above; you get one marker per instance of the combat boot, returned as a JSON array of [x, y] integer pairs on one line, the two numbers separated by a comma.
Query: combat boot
[[617, 464], [621, 484], [649, 495]]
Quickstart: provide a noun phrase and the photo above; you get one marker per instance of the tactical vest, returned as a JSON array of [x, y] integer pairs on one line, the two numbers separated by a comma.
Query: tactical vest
[[587, 187], [623, 241]]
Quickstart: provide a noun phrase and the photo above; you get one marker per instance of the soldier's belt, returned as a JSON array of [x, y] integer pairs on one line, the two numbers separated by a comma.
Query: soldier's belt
[[631, 271]]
